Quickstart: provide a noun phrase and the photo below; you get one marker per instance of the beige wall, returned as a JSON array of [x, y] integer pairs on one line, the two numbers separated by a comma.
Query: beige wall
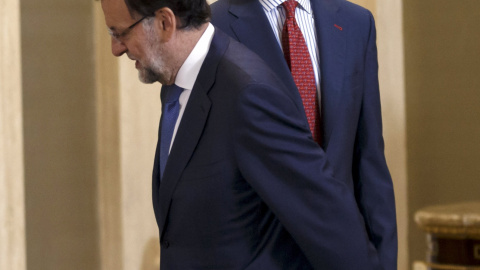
[[90, 134], [443, 96], [59, 134], [12, 218]]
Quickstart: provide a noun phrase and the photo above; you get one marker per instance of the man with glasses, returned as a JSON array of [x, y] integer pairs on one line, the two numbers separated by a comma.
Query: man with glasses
[[238, 182]]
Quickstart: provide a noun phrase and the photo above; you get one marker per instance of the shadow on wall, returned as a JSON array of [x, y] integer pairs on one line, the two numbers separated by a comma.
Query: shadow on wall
[[151, 255]]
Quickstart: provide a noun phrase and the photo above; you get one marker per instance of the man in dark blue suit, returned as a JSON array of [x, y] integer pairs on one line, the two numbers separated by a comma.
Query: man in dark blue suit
[[342, 41], [238, 182]]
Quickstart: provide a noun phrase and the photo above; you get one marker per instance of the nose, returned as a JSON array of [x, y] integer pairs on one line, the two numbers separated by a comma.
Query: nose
[[118, 48]]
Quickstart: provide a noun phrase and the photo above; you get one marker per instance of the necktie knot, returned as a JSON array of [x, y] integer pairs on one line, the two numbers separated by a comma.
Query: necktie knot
[[289, 7], [172, 93]]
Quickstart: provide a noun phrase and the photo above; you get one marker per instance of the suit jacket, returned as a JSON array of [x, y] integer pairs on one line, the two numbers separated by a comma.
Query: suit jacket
[[245, 186], [352, 125]]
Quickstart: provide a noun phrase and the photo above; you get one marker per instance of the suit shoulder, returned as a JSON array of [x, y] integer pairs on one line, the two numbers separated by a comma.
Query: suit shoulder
[[220, 13], [220, 6], [355, 12], [358, 20], [221, 17]]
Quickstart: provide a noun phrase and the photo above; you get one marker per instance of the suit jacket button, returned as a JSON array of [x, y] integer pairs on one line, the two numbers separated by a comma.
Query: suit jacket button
[[166, 244]]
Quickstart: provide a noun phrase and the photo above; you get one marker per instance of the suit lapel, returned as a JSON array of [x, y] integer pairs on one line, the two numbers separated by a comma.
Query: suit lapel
[[253, 29], [191, 126], [332, 45]]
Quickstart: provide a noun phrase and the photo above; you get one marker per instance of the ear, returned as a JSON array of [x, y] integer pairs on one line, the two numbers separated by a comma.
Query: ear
[[166, 23]]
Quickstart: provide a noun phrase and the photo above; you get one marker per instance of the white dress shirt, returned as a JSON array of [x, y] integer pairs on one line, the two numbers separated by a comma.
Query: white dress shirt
[[188, 72]]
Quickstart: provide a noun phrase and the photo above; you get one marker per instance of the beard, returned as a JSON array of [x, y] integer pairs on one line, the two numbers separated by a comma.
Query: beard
[[148, 75], [154, 70]]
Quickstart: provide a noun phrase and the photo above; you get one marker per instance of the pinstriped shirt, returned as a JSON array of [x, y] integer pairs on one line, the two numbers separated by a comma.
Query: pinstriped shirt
[[304, 16]]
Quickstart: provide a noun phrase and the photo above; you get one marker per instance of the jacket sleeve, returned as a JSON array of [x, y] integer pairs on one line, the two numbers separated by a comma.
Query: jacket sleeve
[[372, 180], [291, 173]]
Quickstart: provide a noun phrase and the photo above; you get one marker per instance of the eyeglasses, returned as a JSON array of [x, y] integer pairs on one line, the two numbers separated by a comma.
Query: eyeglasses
[[121, 36]]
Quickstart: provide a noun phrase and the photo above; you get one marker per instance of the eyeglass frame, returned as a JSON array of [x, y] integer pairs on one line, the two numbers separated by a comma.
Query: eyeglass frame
[[125, 32]]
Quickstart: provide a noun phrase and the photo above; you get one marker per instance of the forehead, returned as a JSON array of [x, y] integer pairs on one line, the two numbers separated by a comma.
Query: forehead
[[116, 13]]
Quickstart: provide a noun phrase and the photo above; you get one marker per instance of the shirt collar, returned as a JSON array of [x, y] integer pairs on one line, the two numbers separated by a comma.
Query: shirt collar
[[188, 72], [268, 5]]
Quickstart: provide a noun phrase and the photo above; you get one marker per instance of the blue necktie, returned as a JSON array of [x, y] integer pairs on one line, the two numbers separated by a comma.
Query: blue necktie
[[171, 108]]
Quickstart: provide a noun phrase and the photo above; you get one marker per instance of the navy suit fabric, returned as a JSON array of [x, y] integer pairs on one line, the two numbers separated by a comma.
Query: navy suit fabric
[[245, 186], [351, 112]]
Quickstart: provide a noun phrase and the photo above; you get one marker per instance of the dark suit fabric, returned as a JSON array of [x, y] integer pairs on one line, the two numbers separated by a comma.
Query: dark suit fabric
[[245, 186], [350, 101]]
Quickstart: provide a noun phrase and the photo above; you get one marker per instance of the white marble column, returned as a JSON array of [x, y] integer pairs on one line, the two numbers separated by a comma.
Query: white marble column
[[12, 215], [128, 114]]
